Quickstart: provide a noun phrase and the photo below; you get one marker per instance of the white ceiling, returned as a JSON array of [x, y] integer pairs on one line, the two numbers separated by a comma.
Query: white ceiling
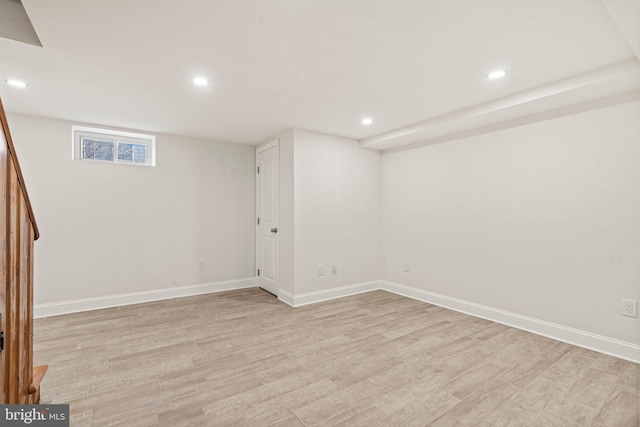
[[320, 65]]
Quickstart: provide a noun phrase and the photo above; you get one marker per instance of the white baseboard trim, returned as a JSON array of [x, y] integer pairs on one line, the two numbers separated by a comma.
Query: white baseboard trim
[[599, 343], [588, 340], [328, 294], [286, 298], [87, 304]]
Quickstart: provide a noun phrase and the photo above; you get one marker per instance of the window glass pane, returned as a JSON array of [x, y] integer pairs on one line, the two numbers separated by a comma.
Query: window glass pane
[[97, 150], [139, 153], [132, 153], [125, 152]]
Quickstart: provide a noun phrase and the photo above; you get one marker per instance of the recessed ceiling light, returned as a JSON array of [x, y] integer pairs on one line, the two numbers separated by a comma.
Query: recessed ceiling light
[[200, 81], [497, 74], [16, 83], [367, 121]]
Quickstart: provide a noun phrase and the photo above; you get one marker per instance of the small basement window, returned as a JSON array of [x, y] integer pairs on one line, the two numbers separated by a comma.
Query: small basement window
[[112, 146]]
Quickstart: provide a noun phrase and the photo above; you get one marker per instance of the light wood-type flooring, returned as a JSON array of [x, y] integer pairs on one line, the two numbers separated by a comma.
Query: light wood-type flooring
[[375, 359]]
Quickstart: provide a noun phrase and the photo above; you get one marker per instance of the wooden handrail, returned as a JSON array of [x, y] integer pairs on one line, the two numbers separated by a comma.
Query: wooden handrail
[[14, 157], [19, 382]]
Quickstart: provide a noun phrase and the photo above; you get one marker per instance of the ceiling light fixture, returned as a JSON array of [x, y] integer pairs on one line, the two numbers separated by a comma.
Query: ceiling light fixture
[[16, 83], [367, 121], [497, 74], [200, 81]]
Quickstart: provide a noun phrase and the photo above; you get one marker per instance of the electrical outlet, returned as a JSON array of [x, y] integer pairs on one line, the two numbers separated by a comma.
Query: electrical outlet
[[407, 267], [201, 265], [629, 308], [334, 269], [321, 270]]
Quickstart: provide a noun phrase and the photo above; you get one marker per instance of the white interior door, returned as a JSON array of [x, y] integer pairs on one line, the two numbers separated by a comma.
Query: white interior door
[[267, 187]]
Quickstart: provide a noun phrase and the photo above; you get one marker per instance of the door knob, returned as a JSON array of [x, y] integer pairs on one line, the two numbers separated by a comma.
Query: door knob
[[274, 230]]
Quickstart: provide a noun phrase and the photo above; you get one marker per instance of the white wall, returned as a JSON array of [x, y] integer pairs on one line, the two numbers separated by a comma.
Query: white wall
[[109, 229], [541, 220], [337, 211], [286, 233]]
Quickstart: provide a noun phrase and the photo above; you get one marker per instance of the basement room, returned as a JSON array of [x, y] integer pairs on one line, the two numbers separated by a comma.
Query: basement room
[[320, 213]]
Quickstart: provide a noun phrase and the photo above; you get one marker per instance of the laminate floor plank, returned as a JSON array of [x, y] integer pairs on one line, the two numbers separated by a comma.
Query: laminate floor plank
[[242, 358]]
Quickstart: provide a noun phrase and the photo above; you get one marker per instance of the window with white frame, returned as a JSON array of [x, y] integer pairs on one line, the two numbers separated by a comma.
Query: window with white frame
[[103, 145]]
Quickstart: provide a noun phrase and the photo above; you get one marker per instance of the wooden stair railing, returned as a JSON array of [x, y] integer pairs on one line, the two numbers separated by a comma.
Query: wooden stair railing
[[38, 374], [19, 381]]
